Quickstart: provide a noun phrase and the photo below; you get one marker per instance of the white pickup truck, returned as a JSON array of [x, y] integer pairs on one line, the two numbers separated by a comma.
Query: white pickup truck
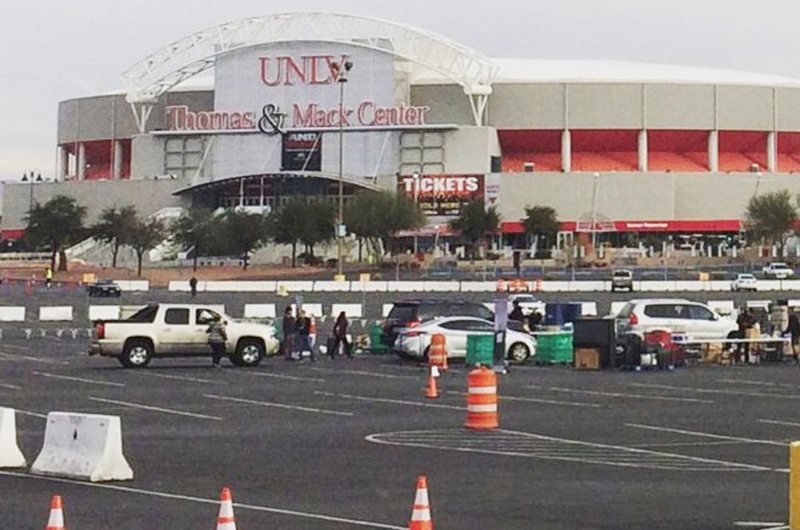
[[178, 330], [778, 270]]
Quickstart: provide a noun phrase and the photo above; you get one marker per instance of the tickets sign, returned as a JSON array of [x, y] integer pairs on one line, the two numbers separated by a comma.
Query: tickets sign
[[442, 195]]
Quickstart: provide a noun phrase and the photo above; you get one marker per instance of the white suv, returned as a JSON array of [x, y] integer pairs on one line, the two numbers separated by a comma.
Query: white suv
[[693, 319]]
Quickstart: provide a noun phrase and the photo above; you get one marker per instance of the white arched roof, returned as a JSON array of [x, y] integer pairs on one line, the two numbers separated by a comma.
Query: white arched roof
[[157, 73]]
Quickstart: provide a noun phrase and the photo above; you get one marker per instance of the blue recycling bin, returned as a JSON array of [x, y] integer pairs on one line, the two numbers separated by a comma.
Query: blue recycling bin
[[560, 313]]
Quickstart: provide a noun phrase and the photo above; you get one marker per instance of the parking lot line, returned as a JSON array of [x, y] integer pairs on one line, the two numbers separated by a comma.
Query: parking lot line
[[707, 435], [29, 413], [180, 378], [363, 372], [716, 391], [214, 502], [15, 357], [546, 401], [10, 387], [155, 409], [79, 379], [392, 401], [620, 394], [278, 405], [779, 422], [287, 377]]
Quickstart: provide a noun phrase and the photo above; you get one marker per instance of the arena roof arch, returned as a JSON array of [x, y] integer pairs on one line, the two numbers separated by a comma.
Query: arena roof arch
[[425, 51]]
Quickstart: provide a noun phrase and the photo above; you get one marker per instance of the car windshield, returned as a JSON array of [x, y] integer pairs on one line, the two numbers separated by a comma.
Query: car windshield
[[146, 314], [622, 274]]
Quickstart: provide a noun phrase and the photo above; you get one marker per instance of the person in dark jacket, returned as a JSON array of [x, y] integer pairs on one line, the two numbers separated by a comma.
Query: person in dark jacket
[[794, 331], [304, 335], [289, 327], [746, 321], [516, 313], [340, 336], [193, 286], [217, 337]]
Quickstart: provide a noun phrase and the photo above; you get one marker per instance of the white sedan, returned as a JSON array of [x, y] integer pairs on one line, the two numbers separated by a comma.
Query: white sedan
[[414, 341], [744, 282]]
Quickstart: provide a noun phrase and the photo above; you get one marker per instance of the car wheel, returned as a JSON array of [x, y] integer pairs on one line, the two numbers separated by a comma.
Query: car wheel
[[249, 352], [519, 352], [136, 354]]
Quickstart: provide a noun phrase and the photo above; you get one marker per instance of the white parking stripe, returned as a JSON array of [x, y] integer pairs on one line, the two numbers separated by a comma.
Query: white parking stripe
[[778, 422], [716, 391], [706, 434], [287, 377], [278, 405], [622, 395], [29, 413], [546, 401], [214, 502], [11, 387], [364, 372], [393, 401], [80, 379], [180, 378], [15, 357], [156, 409]]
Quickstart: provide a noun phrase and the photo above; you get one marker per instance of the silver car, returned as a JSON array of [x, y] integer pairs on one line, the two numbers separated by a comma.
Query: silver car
[[695, 320], [414, 342]]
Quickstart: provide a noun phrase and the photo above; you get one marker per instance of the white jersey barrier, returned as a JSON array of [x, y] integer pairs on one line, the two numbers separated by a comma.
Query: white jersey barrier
[[10, 455], [83, 446]]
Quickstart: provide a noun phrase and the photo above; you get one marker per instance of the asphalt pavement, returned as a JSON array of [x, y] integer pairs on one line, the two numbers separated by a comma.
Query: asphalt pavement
[[338, 444]]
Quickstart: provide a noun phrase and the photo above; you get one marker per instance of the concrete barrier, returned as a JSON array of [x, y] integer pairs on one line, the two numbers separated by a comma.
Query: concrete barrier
[[126, 311], [296, 286], [82, 446], [259, 311], [10, 455], [580, 287], [369, 287], [351, 310], [616, 307], [12, 314], [329, 286], [133, 285], [405, 287], [104, 312], [588, 309], [53, 313], [478, 287], [387, 308], [723, 307], [314, 310], [555, 287], [439, 287]]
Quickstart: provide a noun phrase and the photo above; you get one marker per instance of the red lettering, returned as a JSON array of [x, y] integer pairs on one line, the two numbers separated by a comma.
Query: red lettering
[[265, 73], [292, 66]]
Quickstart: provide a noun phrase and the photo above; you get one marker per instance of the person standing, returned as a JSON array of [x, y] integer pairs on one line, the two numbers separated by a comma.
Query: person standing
[[48, 277], [289, 328], [303, 334], [193, 286], [793, 328], [745, 321], [340, 336], [217, 337]]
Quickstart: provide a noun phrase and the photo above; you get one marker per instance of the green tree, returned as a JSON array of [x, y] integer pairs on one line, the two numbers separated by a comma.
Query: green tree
[[286, 224], [244, 233], [192, 230], [770, 217], [540, 224], [146, 234], [319, 225], [55, 225], [474, 222], [377, 216], [114, 227]]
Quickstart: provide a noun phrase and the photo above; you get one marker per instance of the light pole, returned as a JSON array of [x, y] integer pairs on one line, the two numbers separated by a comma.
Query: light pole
[[341, 71], [30, 180], [416, 203], [594, 211]]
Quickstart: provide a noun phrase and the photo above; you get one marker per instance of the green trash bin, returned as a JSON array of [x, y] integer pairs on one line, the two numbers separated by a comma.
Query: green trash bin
[[480, 349], [376, 344], [554, 347]]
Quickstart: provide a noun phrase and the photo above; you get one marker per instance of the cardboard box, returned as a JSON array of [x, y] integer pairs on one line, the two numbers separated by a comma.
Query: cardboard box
[[587, 358]]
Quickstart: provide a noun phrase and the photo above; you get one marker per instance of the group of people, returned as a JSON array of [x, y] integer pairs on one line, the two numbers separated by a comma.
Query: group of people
[[783, 321], [299, 336], [529, 322]]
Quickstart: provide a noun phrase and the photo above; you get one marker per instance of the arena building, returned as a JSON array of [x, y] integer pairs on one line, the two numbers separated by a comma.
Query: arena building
[[251, 112]]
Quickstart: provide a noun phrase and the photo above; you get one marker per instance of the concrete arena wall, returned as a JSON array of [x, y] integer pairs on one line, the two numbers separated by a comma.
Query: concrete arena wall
[[148, 196], [637, 196]]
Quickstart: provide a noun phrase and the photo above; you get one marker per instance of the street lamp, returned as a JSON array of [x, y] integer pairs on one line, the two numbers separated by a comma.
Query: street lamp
[[416, 203], [594, 211], [341, 70], [31, 179]]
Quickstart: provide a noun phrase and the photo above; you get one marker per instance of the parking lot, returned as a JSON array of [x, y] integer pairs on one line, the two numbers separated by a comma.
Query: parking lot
[[339, 444]]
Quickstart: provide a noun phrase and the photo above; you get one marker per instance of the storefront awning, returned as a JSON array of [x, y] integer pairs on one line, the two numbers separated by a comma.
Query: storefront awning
[[672, 226]]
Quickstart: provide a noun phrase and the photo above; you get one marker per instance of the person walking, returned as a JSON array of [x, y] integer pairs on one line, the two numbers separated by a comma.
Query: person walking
[[217, 337], [289, 329], [304, 335], [193, 286], [340, 336], [793, 328]]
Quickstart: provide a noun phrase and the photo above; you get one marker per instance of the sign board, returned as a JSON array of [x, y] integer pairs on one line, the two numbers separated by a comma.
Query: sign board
[[302, 152], [441, 195]]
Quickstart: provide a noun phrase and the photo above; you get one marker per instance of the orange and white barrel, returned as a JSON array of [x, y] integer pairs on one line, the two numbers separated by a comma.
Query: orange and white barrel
[[482, 399], [437, 352], [501, 286]]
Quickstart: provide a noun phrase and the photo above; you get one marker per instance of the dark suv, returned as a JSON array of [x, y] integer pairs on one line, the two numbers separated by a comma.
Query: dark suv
[[409, 313]]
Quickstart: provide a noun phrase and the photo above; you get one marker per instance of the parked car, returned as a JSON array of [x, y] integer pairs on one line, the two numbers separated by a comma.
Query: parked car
[[527, 303], [104, 288], [178, 330], [622, 279], [744, 282], [415, 341], [695, 320], [777, 270], [410, 313]]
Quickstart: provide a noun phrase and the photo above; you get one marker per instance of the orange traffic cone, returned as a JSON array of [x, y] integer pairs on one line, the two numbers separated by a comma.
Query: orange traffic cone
[[421, 513], [56, 520], [433, 391], [225, 519]]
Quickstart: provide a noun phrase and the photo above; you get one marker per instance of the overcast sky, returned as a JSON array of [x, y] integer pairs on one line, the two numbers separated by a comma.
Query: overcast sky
[[54, 50]]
